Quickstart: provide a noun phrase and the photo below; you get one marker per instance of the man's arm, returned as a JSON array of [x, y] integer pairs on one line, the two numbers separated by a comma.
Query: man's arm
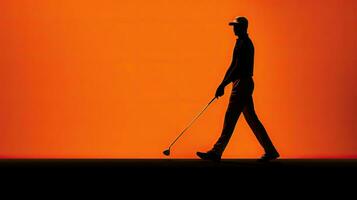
[[228, 76]]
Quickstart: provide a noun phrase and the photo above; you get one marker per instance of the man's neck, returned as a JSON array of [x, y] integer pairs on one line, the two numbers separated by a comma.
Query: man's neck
[[242, 36]]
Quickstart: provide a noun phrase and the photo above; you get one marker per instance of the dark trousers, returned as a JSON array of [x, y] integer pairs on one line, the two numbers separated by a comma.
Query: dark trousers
[[241, 100]]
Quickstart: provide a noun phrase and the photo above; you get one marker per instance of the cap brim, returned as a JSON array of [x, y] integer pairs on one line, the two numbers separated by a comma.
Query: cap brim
[[233, 23]]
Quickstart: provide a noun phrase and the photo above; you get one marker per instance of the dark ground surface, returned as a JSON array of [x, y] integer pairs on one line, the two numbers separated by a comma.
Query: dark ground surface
[[180, 167], [199, 167], [174, 174]]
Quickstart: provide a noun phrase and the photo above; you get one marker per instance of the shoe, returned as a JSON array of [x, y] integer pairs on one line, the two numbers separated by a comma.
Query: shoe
[[269, 156], [210, 155]]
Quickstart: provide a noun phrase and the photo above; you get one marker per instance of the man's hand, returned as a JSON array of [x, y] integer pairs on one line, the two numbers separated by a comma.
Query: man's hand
[[220, 91]]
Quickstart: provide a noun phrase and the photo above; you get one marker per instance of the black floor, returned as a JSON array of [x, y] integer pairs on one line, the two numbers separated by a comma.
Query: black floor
[[183, 173], [233, 167]]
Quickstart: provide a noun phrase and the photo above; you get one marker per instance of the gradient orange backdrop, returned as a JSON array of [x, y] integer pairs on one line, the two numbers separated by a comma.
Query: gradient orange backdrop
[[122, 78]]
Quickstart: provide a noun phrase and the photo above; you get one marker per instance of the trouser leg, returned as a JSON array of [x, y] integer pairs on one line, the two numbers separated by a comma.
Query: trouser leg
[[236, 104], [257, 127]]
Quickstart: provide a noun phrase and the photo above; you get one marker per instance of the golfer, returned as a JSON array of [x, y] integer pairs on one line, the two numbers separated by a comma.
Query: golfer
[[240, 73]]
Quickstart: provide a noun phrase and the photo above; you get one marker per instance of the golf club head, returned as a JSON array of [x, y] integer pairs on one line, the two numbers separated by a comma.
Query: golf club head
[[166, 152]]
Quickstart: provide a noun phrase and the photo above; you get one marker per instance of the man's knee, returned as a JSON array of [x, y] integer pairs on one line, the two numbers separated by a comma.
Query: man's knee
[[250, 115]]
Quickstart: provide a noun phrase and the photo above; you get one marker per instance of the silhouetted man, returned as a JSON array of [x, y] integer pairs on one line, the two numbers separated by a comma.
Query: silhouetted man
[[240, 74]]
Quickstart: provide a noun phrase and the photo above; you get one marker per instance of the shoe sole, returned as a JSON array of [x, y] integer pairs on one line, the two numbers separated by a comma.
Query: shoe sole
[[268, 160], [207, 159]]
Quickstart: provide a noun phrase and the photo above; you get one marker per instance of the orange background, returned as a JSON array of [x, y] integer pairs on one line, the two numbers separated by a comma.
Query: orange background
[[120, 79]]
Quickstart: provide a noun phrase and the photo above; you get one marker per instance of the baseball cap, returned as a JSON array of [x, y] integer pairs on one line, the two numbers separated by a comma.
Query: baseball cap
[[241, 21]]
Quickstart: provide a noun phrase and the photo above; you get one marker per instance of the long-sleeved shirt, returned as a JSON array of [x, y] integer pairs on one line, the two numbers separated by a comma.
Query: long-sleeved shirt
[[242, 61]]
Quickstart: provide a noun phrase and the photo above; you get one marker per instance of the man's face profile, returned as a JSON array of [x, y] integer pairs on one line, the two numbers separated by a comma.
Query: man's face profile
[[236, 29]]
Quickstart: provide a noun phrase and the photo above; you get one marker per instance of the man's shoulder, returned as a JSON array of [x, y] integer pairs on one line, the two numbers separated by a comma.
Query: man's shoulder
[[249, 43], [246, 42]]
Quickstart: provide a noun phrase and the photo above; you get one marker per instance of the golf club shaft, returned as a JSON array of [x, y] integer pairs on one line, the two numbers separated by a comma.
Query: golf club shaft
[[194, 119]]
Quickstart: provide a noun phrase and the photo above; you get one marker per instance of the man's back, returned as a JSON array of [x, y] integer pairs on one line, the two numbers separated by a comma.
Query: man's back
[[243, 57]]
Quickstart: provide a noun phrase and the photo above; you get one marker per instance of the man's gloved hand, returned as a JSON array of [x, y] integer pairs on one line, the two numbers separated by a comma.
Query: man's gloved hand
[[220, 91]]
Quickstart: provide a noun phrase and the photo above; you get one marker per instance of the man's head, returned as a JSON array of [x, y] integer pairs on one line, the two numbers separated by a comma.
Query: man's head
[[240, 26]]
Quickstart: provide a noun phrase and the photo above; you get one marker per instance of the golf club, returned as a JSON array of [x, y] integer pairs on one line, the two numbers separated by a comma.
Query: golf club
[[167, 151]]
